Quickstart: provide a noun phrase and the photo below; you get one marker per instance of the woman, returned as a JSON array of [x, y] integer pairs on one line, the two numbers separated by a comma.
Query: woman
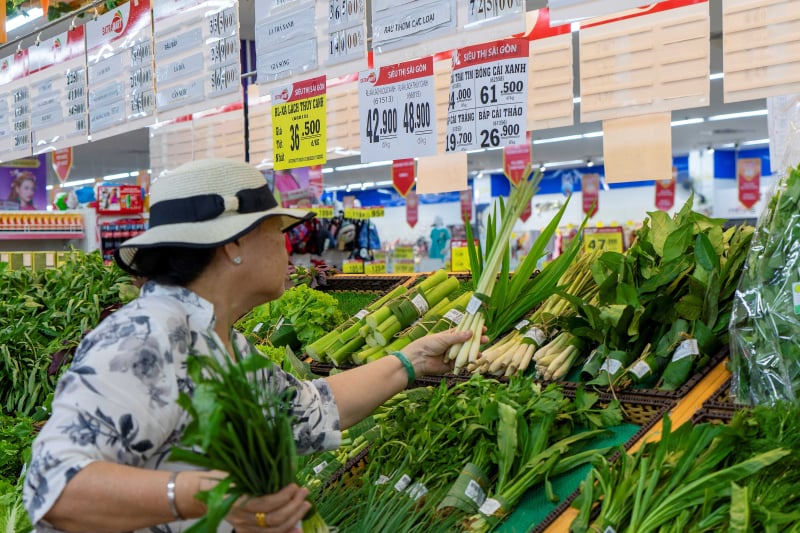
[[214, 250], [23, 187]]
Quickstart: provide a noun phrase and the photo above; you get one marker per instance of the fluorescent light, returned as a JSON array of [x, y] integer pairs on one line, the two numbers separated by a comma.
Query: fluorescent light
[[687, 121], [367, 184], [49, 188], [717, 76], [576, 100], [327, 170], [20, 20], [78, 182], [758, 141], [382, 183], [364, 165], [575, 27], [592, 134], [727, 145], [744, 114], [557, 139], [565, 163], [119, 176]]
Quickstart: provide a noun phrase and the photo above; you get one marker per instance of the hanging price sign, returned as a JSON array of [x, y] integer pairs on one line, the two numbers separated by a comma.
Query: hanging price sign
[[488, 99], [353, 266], [398, 112], [363, 213], [374, 267], [603, 239], [482, 10], [298, 124]]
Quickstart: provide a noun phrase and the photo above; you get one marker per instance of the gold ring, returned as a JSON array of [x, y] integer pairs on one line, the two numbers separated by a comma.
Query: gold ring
[[261, 520]]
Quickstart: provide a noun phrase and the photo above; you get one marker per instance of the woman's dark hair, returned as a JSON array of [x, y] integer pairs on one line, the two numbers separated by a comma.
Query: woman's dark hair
[[171, 265]]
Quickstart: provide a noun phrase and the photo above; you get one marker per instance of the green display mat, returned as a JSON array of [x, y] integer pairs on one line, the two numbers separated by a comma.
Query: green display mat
[[534, 506], [351, 302]]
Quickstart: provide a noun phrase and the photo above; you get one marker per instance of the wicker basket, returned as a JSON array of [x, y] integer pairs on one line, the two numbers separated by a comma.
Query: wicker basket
[[713, 416], [721, 399]]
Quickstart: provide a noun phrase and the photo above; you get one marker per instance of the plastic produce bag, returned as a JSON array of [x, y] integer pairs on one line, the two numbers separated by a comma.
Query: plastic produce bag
[[765, 323]]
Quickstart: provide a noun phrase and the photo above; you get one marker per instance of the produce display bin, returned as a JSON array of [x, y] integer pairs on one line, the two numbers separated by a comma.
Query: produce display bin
[[722, 399], [535, 513], [380, 284]]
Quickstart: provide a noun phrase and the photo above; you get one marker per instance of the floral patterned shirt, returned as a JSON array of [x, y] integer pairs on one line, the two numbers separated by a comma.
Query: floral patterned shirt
[[117, 401]]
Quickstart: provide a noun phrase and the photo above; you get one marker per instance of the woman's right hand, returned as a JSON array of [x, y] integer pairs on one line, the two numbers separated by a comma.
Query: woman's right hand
[[274, 513]]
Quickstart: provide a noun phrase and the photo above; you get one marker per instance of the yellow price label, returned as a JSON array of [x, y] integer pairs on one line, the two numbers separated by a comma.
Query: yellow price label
[[376, 212], [603, 239], [299, 129], [459, 256], [323, 211], [403, 266], [353, 266], [404, 252], [374, 267]]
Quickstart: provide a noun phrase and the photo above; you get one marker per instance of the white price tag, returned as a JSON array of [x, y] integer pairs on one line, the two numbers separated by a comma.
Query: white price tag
[[489, 507], [397, 106], [402, 483], [345, 12], [475, 493], [346, 44], [474, 305], [382, 480], [417, 491], [488, 98], [640, 369], [611, 366], [483, 10], [258, 327], [796, 297], [320, 467], [361, 314], [609, 529], [455, 316], [279, 324], [536, 335], [521, 324], [420, 304], [687, 348]]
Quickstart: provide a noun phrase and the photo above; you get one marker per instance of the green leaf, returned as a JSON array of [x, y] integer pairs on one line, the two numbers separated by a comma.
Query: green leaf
[[662, 227], [704, 251], [677, 243], [506, 442], [740, 509], [689, 307]]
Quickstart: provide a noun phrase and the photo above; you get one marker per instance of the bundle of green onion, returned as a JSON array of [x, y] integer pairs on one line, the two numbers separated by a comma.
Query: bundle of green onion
[[241, 424]]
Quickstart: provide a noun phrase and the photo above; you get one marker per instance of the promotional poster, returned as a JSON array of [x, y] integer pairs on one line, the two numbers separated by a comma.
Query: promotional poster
[[22, 184]]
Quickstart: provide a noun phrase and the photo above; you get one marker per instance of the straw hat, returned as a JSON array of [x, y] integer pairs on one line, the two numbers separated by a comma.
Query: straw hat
[[205, 204]]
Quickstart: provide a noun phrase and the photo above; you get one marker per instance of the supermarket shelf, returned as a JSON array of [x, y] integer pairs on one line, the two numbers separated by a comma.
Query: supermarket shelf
[[33, 235]]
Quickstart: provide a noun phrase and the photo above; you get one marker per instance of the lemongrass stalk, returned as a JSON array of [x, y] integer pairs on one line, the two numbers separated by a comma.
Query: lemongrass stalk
[[377, 317]]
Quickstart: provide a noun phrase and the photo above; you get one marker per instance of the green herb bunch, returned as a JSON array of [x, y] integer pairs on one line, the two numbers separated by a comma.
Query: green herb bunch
[[241, 424]]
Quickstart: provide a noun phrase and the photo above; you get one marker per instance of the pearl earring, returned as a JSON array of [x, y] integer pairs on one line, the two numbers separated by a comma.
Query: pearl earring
[[237, 260]]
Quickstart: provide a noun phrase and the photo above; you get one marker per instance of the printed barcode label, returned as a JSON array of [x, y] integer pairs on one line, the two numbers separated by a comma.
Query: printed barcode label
[[361, 314], [455, 316], [536, 335], [417, 491], [521, 324], [279, 324], [258, 327], [402, 483], [473, 305], [686, 349], [420, 304], [320, 467], [640, 369], [382, 480], [611, 366], [475, 493], [489, 507], [796, 297]]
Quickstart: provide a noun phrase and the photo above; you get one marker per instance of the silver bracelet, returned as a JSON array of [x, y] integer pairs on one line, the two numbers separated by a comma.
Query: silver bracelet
[[171, 496]]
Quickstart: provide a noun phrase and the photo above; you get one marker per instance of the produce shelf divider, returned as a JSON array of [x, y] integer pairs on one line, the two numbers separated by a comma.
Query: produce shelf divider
[[721, 399]]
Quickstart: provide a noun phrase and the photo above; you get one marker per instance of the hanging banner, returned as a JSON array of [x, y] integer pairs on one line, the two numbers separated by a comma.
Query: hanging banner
[[298, 124], [315, 181], [665, 192], [412, 208], [62, 163], [748, 181], [197, 59], [397, 105], [526, 213], [466, 204], [488, 100], [403, 175], [590, 191], [121, 86], [515, 159]]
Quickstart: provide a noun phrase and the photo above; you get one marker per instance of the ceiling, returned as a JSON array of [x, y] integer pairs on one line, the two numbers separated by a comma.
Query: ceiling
[[130, 151]]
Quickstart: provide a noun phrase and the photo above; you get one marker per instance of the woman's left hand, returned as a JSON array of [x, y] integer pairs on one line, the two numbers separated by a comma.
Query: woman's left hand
[[427, 354]]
